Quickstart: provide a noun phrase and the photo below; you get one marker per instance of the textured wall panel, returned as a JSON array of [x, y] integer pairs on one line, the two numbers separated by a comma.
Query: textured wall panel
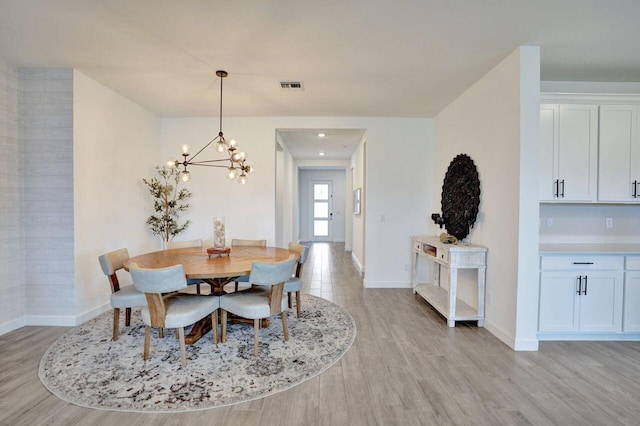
[[46, 131]]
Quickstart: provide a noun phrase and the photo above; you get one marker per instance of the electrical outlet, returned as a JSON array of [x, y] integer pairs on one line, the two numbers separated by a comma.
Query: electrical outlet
[[608, 222], [549, 222]]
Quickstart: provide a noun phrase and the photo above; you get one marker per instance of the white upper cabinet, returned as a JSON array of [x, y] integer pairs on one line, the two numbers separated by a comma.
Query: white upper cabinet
[[568, 152], [619, 154]]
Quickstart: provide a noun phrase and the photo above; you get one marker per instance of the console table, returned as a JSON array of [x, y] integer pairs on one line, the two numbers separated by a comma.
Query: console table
[[452, 257]]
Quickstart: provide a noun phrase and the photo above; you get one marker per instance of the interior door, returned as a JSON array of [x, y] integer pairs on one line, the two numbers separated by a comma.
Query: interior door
[[321, 195]]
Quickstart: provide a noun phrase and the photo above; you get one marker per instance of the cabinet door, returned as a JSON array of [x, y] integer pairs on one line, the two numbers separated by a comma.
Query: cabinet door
[[577, 152], [618, 153], [558, 301], [601, 301], [631, 320], [548, 151]]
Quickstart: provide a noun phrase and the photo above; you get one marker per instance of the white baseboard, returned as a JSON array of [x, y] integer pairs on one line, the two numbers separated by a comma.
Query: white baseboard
[[12, 325], [357, 262], [588, 336], [92, 313], [51, 320]]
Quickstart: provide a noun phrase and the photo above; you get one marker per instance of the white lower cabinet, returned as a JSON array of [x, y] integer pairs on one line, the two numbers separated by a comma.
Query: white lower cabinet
[[581, 294], [584, 301], [631, 320]]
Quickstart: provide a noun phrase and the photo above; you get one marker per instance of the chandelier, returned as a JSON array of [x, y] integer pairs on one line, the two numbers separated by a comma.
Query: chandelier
[[234, 161]]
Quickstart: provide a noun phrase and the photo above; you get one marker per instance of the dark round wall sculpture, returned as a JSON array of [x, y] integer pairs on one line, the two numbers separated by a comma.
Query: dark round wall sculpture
[[460, 196]]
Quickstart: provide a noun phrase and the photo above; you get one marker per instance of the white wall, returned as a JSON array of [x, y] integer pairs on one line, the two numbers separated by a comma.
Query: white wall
[[495, 123], [403, 198], [338, 178], [286, 199], [115, 146], [12, 283], [357, 170]]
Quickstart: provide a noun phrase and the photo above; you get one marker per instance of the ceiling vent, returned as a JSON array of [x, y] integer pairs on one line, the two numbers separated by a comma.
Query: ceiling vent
[[292, 86]]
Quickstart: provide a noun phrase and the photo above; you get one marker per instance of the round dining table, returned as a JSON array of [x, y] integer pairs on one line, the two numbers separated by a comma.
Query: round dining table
[[215, 270]]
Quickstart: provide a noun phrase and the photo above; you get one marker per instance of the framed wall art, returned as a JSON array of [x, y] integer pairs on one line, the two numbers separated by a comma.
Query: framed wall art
[[356, 202]]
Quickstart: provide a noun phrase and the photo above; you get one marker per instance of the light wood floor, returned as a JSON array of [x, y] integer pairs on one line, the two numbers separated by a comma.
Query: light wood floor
[[405, 368]]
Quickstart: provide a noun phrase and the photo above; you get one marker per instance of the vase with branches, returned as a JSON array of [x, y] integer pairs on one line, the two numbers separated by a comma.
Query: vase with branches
[[168, 203]]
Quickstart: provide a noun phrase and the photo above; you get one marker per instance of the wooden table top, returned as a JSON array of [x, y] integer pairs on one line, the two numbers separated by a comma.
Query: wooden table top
[[197, 264]]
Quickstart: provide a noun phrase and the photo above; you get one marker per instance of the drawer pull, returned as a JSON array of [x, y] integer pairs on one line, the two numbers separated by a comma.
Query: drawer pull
[[583, 263]]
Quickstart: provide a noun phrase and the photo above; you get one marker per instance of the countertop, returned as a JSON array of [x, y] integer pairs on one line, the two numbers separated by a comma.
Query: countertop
[[611, 248]]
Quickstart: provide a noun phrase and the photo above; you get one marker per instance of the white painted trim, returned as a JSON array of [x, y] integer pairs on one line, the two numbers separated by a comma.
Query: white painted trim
[[501, 335], [12, 325], [386, 284], [92, 313], [357, 262], [526, 345], [51, 320], [588, 336], [590, 98]]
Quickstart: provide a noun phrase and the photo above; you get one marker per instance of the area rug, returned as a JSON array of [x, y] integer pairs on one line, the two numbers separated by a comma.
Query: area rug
[[86, 368]]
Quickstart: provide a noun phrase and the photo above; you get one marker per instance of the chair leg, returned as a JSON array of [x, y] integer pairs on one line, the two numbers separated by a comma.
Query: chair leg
[[116, 323], [127, 317], [183, 349], [236, 286], [256, 331], [285, 330], [214, 326], [298, 304], [177, 334], [147, 340], [161, 333], [290, 297], [223, 326], [198, 288]]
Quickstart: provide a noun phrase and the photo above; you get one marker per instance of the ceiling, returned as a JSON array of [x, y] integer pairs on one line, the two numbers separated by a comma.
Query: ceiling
[[336, 144], [402, 58]]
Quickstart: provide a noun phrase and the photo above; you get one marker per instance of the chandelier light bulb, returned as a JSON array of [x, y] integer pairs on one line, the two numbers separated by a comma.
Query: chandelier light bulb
[[232, 173], [248, 169], [185, 149], [236, 157], [232, 143], [186, 176], [242, 179], [243, 155], [172, 163]]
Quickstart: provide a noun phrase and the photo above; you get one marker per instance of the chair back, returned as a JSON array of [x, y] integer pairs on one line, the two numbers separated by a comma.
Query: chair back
[[267, 274], [182, 244], [304, 252], [160, 280], [273, 275], [254, 243], [112, 262]]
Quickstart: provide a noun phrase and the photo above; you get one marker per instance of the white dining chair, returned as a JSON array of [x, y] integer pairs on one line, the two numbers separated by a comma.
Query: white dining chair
[[183, 244], [294, 284], [122, 296], [171, 310], [236, 242], [263, 300]]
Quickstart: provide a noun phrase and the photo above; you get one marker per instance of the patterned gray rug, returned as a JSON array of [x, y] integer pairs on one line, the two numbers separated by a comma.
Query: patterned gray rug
[[86, 368]]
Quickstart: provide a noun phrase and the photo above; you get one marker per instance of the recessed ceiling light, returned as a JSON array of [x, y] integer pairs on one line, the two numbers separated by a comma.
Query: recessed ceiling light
[[321, 154], [321, 135]]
